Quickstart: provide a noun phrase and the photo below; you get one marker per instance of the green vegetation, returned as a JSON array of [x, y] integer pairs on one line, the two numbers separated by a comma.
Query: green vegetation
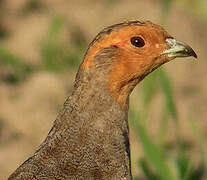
[[163, 160], [15, 69], [57, 56]]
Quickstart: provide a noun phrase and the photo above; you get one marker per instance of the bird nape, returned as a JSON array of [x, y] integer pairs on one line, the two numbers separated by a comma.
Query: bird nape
[[89, 139]]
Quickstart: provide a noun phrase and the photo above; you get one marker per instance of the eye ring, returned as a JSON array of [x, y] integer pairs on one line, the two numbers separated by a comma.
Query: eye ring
[[137, 41]]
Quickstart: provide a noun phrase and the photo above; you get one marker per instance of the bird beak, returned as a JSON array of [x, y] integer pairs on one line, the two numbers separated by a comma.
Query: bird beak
[[178, 49]]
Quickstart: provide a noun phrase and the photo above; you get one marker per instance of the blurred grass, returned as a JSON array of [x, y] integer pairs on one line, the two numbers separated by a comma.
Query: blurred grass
[[32, 6], [153, 153], [3, 32], [197, 6], [56, 56], [16, 70], [159, 162]]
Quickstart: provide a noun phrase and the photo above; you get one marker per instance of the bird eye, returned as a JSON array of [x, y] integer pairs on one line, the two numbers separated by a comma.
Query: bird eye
[[137, 41]]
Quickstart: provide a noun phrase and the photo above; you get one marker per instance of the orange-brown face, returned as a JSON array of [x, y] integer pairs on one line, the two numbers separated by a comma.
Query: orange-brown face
[[140, 50]]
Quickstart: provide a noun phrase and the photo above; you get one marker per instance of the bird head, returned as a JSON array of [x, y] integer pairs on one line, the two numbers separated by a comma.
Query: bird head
[[123, 54]]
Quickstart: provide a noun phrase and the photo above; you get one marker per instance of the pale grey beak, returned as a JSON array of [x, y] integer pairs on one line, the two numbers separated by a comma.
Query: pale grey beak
[[178, 49]]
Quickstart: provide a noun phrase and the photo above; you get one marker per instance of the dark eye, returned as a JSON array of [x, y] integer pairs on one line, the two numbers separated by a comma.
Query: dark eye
[[137, 41]]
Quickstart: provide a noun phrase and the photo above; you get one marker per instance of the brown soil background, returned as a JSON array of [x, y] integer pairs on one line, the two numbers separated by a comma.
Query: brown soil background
[[27, 110]]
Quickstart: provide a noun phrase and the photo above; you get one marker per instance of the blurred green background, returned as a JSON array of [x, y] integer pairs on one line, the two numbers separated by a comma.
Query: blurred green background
[[43, 42]]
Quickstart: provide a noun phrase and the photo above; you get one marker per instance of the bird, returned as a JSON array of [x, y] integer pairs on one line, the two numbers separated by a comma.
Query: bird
[[90, 137]]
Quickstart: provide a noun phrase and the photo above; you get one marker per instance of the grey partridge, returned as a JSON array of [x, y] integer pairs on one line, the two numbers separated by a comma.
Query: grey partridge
[[89, 139]]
